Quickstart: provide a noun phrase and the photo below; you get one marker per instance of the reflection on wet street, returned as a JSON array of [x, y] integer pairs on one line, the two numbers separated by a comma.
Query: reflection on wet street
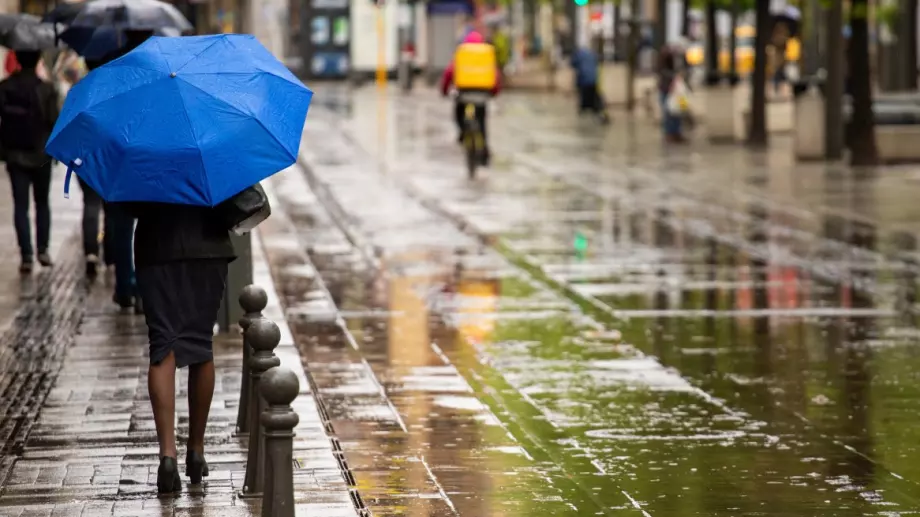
[[596, 326]]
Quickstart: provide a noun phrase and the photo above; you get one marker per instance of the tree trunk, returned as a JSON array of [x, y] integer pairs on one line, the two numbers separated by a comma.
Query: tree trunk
[[632, 55], [757, 130], [909, 37], [712, 40], [661, 25], [617, 41], [862, 124], [834, 85], [812, 38], [685, 20]]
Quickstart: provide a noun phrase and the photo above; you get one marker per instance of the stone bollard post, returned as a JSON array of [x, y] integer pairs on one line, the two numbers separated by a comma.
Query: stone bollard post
[[253, 300], [279, 389], [263, 335]]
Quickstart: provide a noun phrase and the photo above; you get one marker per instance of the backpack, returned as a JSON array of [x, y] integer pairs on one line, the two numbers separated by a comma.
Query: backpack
[[22, 123], [475, 67]]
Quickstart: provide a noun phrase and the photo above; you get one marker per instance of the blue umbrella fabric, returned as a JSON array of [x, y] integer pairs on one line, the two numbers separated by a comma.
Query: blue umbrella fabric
[[111, 17], [191, 120]]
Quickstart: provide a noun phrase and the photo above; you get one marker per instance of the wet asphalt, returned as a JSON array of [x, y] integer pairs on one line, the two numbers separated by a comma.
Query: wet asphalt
[[737, 336]]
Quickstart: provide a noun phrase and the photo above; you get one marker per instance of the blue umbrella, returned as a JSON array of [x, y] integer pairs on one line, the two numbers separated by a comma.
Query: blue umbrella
[[191, 120]]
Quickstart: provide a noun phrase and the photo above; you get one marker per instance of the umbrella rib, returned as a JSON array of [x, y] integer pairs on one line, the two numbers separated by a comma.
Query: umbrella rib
[[198, 54], [160, 54], [191, 127], [275, 138], [260, 69], [120, 64], [117, 95]]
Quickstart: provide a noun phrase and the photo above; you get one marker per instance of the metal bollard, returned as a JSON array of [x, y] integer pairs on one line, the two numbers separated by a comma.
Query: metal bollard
[[279, 389], [263, 335], [253, 300]]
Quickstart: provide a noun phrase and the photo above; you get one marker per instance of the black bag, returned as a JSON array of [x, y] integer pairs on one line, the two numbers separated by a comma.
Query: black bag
[[246, 210], [22, 123]]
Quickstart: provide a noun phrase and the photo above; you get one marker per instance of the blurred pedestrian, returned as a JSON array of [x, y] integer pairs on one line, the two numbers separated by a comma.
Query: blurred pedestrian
[[93, 206], [182, 255], [668, 77], [119, 223], [586, 63], [29, 108]]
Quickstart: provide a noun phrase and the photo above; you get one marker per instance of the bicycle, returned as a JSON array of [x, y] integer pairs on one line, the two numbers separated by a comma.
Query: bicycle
[[474, 142]]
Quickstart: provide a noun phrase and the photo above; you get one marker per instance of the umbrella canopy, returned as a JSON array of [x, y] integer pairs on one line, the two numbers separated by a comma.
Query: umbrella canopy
[[102, 20], [106, 41], [191, 120], [8, 21], [64, 12], [29, 34]]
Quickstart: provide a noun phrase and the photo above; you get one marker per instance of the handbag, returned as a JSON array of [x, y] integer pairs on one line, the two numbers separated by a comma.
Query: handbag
[[678, 100], [246, 210]]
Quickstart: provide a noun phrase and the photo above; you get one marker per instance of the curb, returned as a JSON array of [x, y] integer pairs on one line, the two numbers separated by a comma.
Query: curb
[[281, 218]]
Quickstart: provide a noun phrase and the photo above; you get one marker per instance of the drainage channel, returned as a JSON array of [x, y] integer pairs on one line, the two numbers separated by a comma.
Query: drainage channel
[[32, 351]]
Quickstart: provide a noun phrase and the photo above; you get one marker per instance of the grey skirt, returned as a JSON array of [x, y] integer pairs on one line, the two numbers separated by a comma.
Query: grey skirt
[[181, 301]]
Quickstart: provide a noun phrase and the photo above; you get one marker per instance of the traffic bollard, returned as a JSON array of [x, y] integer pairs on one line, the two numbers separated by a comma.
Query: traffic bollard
[[263, 335], [279, 389], [253, 300]]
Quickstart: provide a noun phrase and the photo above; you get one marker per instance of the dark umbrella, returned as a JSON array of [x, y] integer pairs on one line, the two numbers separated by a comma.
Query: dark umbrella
[[8, 21], [64, 12], [106, 41], [106, 20], [29, 34], [130, 15]]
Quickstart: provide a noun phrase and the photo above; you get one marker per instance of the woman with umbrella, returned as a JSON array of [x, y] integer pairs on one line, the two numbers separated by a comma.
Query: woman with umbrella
[[175, 133]]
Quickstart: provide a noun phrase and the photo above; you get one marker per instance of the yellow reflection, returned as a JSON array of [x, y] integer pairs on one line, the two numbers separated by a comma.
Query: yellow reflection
[[409, 346], [478, 301]]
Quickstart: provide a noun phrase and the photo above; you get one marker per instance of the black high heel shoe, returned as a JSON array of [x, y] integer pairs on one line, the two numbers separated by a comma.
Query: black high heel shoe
[[195, 467], [168, 479]]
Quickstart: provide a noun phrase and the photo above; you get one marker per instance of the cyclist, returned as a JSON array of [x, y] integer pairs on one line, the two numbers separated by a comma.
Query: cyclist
[[475, 75]]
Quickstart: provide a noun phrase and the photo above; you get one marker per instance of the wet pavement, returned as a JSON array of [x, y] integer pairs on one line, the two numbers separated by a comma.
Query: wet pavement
[[597, 325], [65, 216], [80, 436]]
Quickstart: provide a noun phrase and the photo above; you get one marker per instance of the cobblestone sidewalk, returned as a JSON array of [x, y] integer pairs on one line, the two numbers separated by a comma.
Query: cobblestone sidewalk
[[91, 450]]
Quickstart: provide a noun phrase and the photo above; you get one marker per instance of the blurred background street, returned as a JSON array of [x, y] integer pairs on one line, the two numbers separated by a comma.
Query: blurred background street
[[605, 319]]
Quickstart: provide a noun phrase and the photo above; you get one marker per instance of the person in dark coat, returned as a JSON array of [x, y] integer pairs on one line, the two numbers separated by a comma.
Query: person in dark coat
[[28, 110], [181, 258], [119, 225], [585, 63], [667, 76]]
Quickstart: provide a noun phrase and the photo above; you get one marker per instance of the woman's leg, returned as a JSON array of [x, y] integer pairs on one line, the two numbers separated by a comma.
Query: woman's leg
[[21, 182], [161, 384], [663, 102], [41, 192], [200, 393], [121, 230], [92, 205]]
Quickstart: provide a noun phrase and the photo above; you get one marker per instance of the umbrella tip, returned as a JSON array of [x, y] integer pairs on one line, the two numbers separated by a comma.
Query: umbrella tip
[[173, 75]]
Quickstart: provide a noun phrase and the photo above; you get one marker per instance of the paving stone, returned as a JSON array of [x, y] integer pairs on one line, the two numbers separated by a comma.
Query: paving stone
[[92, 450]]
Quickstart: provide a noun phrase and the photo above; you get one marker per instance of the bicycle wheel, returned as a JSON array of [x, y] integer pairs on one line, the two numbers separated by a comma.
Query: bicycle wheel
[[471, 146]]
